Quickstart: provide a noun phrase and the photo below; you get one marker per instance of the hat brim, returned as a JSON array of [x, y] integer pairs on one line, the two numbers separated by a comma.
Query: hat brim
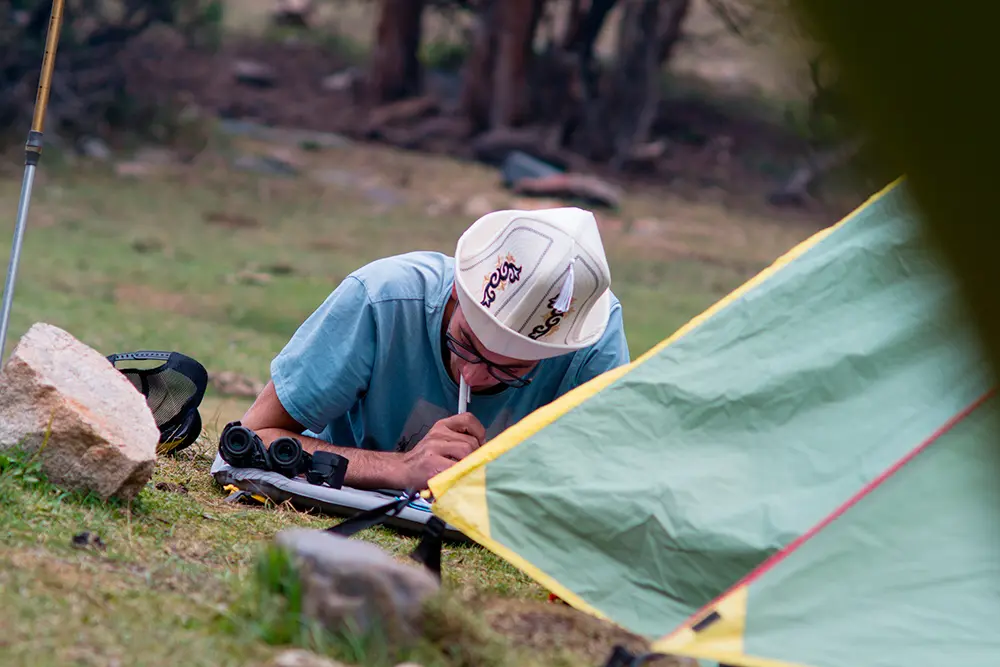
[[506, 342]]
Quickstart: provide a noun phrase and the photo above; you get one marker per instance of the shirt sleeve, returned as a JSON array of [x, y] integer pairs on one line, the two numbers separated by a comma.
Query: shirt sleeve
[[327, 364], [611, 351]]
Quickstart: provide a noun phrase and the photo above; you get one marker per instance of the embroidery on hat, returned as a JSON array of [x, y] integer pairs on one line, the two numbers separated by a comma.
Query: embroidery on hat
[[552, 320], [506, 273]]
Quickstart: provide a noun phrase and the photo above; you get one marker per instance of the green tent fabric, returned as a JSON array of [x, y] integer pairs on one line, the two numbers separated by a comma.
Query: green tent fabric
[[651, 491], [908, 573]]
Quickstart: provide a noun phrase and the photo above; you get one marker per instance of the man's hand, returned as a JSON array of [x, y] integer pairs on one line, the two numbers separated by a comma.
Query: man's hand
[[449, 440]]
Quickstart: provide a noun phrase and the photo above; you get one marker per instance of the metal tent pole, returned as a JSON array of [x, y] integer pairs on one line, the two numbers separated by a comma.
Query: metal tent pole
[[32, 155]]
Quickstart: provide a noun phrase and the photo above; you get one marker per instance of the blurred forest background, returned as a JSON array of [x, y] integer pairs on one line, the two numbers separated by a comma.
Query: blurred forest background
[[727, 97]]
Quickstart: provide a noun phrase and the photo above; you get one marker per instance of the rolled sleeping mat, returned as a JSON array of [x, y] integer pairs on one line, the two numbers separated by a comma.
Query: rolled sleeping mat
[[343, 502]]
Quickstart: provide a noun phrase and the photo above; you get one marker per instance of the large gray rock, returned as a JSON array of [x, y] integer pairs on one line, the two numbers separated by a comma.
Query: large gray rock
[[349, 584], [98, 432]]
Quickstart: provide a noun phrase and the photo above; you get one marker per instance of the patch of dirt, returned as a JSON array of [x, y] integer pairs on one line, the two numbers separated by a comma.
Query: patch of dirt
[[295, 99], [150, 297], [230, 220], [230, 383], [171, 487], [95, 570], [541, 625], [192, 552], [96, 576], [59, 574]]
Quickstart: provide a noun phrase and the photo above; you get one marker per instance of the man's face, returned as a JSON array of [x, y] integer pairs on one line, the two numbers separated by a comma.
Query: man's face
[[473, 361]]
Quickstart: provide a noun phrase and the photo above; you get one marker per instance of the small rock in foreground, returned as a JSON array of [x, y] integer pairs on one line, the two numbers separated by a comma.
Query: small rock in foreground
[[99, 433], [354, 584]]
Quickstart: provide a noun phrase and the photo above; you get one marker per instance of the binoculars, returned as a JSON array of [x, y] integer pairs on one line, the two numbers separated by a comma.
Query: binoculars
[[240, 447]]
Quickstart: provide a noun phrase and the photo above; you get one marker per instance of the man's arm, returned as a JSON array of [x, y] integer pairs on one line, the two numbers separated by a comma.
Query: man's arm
[[320, 374], [366, 469], [450, 440]]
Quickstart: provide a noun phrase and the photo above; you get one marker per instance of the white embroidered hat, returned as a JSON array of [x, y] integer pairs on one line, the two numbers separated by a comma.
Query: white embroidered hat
[[534, 284]]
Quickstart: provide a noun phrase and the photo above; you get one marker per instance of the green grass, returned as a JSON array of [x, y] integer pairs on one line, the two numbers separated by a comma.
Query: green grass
[[174, 580], [126, 264]]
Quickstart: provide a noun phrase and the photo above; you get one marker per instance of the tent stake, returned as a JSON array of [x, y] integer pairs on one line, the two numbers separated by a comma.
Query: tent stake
[[32, 155]]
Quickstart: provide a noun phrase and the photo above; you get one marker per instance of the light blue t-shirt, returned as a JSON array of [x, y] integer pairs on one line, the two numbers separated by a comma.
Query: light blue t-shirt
[[365, 369]]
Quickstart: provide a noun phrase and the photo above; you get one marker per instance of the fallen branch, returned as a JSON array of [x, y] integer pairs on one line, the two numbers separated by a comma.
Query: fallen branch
[[589, 189], [426, 131], [399, 112], [493, 147]]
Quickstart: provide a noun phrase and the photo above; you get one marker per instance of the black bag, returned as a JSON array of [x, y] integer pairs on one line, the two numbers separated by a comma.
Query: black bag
[[173, 389]]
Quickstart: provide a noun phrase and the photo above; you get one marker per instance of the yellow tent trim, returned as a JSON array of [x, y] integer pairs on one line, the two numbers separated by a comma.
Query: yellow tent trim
[[468, 510], [470, 494], [723, 640], [720, 640]]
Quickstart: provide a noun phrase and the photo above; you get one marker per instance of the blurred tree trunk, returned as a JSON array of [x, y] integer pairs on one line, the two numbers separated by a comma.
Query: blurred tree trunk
[[395, 69], [672, 15], [584, 26], [517, 22], [494, 90], [658, 40], [619, 115], [575, 15], [476, 77]]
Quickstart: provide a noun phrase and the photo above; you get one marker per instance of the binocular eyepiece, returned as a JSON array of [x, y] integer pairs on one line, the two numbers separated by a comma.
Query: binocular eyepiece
[[240, 447], [288, 457]]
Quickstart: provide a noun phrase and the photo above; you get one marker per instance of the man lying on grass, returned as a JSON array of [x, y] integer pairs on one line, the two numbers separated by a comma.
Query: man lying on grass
[[374, 373]]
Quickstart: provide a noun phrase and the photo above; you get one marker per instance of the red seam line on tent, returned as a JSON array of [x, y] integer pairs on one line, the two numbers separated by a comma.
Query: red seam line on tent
[[889, 472]]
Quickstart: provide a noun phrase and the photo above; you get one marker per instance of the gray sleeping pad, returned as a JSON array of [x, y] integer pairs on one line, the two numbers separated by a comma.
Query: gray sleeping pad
[[343, 502]]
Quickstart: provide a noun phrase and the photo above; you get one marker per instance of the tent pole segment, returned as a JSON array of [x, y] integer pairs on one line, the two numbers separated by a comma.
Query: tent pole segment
[[32, 155]]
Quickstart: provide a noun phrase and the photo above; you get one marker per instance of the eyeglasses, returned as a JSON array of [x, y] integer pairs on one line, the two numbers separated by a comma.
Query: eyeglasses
[[499, 372]]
